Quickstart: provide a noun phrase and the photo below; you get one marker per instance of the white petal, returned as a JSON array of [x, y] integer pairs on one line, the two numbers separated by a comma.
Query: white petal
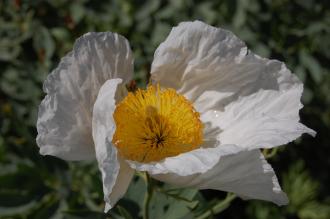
[[264, 119], [65, 115], [212, 67], [254, 102], [116, 174], [123, 180], [247, 174], [192, 162]]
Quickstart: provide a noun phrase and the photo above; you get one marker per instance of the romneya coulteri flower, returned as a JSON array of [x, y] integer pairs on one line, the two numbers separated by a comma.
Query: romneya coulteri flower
[[211, 106]]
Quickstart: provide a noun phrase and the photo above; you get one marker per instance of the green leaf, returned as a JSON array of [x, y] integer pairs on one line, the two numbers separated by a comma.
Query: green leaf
[[315, 210], [312, 65], [82, 214], [43, 43], [169, 203], [297, 180], [77, 12], [123, 212]]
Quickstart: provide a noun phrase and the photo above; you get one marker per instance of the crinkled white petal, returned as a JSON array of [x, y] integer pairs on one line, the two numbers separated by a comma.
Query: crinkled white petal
[[119, 189], [264, 119], [212, 67], [116, 174], [246, 174], [253, 101], [192, 162], [65, 115]]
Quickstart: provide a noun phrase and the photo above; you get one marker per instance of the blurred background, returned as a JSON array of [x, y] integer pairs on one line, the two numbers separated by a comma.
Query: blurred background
[[34, 35]]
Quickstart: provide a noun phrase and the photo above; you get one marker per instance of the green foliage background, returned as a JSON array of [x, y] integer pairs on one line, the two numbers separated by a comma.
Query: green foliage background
[[34, 35]]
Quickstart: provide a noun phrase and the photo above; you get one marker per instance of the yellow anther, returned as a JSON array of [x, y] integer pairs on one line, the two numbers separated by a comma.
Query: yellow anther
[[156, 123]]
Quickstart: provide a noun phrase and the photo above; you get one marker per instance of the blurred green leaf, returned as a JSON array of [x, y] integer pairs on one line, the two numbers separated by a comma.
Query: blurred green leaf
[[312, 65], [43, 43], [173, 204]]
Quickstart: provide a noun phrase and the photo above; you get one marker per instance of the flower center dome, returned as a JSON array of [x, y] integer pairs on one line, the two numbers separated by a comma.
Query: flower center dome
[[156, 123]]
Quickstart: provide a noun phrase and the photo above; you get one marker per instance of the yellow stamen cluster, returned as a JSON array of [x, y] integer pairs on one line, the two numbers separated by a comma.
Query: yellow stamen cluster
[[156, 123]]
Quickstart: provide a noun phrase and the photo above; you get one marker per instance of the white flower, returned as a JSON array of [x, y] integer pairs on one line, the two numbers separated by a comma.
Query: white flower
[[244, 103]]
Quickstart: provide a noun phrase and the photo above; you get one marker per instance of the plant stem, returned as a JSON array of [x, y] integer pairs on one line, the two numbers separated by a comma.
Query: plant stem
[[147, 197], [218, 207]]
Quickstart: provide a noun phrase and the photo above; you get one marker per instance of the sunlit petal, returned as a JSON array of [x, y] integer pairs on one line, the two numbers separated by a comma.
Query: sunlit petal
[[65, 115], [262, 120], [246, 174], [116, 174]]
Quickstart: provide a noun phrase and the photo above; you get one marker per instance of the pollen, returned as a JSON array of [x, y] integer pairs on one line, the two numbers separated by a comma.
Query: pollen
[[156, 123]]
